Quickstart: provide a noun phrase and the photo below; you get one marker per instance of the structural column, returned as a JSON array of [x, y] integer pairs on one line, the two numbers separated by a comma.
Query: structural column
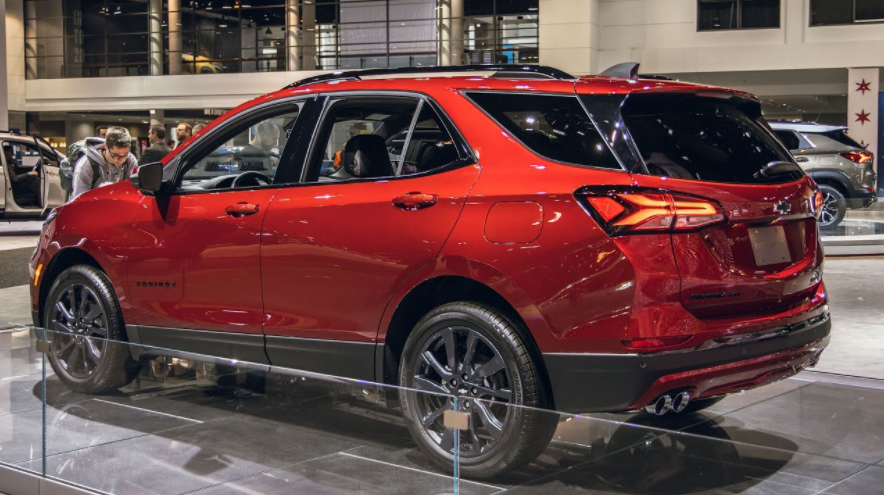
[[292, 41], [4, 84], [155, 41], [451, 32], [157, 117], [569, 35], [175, 43], [308, 36]]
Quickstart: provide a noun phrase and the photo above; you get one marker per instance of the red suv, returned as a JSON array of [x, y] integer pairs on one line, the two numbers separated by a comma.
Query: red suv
[[510, 235]]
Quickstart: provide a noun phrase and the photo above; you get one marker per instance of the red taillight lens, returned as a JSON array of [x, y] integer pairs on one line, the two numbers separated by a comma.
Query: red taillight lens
[[860, 157], [635, 211], [817, 203]]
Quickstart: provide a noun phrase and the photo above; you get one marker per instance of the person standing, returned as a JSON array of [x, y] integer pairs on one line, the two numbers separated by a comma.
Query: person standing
[[106, 161], [183, 132], [158, 148]]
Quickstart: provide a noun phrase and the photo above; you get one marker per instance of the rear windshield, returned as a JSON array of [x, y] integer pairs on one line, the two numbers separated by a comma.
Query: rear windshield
[[706, 139], [554, 127], [832, 140]]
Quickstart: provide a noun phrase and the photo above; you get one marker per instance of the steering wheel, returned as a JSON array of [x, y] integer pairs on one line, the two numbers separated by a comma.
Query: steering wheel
[[258, 177]]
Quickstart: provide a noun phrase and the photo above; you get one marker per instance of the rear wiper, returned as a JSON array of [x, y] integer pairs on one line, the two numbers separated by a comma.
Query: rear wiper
[[777, 167]]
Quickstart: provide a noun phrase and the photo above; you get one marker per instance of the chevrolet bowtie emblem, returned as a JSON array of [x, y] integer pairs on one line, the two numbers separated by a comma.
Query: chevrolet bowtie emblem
[[783, 207]]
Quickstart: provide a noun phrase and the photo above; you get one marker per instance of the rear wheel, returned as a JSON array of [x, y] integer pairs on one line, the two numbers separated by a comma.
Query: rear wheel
[[834, 207], [87, 349], [475, 353]]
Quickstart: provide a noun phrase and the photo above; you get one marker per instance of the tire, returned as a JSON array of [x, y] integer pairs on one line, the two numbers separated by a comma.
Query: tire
[[500, 438], [834, 207], [88, 349]]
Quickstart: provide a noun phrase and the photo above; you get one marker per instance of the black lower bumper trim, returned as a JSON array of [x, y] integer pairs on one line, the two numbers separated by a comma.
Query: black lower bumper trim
[[613, 382]]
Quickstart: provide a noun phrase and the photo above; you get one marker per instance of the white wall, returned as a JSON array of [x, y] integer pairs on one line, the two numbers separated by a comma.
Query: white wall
[[147, 92], [662, 35]]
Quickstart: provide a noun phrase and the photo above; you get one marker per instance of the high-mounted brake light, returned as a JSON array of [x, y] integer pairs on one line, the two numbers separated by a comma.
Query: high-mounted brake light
[[860, 157], [635, 211]]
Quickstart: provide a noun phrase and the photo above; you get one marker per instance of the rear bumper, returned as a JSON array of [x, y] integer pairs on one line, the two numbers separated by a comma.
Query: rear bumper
[[861, 198], [618, 382]]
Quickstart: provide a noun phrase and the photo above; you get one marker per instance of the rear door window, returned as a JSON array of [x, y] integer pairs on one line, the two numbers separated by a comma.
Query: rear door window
[[552, 126], [706, 139]]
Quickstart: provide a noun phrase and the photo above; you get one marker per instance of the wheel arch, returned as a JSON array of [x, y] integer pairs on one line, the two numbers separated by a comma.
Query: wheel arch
[[433, 292], [837, 180], [62, 260]]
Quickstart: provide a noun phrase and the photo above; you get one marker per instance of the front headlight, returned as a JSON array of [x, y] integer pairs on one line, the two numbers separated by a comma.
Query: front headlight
[[51, 216]]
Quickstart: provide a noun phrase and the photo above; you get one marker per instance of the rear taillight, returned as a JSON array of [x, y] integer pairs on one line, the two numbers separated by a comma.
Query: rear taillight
[[860, 157], [637, 211], [817, 203]]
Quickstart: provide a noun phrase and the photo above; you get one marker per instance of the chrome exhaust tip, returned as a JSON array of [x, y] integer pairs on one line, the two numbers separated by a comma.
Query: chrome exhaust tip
[[660, 406], [680, 402]]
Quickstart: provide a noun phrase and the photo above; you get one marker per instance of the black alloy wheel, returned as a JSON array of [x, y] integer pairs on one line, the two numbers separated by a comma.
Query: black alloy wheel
[[79, 326], [474, 359], [88, 349], [458, 361]]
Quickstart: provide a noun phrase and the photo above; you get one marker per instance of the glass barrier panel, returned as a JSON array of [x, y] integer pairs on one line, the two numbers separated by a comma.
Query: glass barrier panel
[[21, 399], [702, 452], [194, 423]]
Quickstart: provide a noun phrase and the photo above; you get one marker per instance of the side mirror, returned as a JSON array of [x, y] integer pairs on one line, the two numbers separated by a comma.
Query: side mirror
[[149, 178]]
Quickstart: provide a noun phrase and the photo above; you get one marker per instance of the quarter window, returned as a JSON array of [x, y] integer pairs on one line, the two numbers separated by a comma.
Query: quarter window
[[554, 127]]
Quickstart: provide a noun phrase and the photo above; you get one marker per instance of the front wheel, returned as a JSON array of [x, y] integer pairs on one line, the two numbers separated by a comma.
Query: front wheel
[[87, 348], [471, 358]]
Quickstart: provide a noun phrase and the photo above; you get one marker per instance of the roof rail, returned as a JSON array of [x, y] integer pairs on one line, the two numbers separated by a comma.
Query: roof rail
[[500, 70]]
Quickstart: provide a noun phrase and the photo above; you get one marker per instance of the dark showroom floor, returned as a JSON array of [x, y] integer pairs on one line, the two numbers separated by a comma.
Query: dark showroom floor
[[192, 427]]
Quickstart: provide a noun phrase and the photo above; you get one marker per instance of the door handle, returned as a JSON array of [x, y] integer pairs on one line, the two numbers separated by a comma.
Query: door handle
[[414, 201], [241, 209], [802, 159]]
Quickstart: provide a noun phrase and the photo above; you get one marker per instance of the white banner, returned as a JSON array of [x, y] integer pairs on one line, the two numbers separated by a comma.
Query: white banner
[[862, 107]]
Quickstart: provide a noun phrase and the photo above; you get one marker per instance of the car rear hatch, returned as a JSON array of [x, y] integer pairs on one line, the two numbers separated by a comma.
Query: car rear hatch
[[742, 223]]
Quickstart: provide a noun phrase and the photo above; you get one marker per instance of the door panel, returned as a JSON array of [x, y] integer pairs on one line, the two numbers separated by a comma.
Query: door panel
[[196, 265], [53, 194], [195, 260], [333, 254]]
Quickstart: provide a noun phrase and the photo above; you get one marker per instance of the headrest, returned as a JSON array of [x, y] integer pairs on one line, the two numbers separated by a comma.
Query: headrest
[[365, 155]]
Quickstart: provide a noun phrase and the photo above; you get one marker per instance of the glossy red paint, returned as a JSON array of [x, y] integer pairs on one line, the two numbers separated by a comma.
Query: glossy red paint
[[205, 258], [335, 261], [514, 223], [332, 254]]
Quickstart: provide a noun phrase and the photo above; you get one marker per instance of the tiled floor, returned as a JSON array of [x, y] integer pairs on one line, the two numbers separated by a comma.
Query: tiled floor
[[248, 433]]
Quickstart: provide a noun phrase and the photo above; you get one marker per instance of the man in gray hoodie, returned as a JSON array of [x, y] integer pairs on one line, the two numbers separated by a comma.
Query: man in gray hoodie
[[106, 161]]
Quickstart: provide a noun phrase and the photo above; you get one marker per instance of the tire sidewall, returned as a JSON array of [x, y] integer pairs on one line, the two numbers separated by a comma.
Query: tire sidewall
[[427, 328], [102, 288], [840, 201]]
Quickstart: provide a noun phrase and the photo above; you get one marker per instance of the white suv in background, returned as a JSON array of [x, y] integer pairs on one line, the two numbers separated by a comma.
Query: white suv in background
[[843, 169]]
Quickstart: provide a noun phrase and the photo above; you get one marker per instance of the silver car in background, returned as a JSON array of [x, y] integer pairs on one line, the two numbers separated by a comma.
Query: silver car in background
[[842, 168], [31, 154]]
